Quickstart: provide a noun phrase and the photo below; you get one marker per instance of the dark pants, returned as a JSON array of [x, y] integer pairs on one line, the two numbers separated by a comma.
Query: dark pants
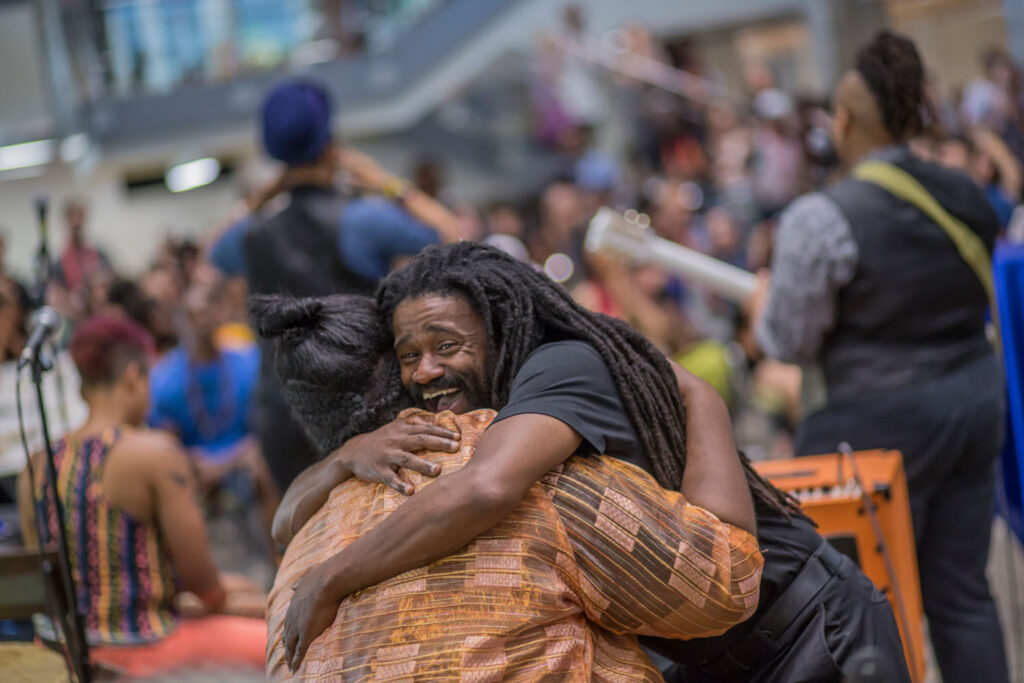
[[949, 430], [284, 444], [846, 616]]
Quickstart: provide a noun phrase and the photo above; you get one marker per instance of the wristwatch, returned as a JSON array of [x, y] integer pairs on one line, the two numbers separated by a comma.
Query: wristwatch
[[396, 190]]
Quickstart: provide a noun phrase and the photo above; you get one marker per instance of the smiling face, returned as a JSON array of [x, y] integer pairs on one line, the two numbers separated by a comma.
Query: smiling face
[[441, 346]]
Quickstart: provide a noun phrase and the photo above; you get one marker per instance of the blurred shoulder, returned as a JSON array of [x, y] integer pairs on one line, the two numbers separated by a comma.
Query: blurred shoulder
[[808, 208], [151, 448]]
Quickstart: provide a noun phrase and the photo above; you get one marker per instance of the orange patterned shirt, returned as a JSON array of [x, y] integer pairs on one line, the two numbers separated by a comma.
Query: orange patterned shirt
[[595, 553]]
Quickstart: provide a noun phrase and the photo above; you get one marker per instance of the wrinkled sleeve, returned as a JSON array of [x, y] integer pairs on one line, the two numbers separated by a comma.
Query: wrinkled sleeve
[[815, 255], [646, 561]]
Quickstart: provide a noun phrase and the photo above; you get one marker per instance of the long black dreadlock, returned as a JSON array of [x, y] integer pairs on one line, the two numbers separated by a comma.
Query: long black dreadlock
[[523, 309]]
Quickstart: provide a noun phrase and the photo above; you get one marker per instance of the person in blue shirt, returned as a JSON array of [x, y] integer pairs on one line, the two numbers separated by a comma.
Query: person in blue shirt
[[392, 219], [203, 395], [376, 233], [315, 240]]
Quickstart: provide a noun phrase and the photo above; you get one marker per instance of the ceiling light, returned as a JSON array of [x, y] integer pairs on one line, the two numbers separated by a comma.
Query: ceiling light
[[74, 147], [192, 174], [26, 154]]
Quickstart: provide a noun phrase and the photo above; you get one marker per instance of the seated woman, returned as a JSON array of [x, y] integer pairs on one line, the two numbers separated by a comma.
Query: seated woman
[[135, 532], [594, 553]]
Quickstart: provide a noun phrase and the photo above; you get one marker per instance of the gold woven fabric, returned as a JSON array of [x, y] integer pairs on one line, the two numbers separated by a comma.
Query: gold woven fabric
[[595, 553]]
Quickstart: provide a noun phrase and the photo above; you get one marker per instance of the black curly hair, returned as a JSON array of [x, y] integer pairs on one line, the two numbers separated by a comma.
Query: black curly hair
[[333, 355], [894, 72], [522, 309]]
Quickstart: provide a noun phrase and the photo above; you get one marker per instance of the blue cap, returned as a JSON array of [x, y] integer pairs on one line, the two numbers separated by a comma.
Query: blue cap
[[596, 172], [296, 122]]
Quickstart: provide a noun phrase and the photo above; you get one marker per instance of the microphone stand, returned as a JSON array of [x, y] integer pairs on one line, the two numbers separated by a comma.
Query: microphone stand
[[71, 621], [65, 611]]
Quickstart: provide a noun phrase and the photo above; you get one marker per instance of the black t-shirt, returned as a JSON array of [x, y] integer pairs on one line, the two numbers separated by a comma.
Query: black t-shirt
[[569, 381]]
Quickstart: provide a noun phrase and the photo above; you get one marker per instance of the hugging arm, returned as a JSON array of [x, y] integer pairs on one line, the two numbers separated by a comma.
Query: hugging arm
[[376, 457], [512, 455], [647, 561]]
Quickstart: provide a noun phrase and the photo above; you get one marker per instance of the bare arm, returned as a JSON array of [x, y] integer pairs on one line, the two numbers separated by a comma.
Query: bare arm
[[510, 457], [369, 174], [177, 514], [709, 583], [714, 478], [304, 497], [376, 456], [26, 508], [1002, 158]]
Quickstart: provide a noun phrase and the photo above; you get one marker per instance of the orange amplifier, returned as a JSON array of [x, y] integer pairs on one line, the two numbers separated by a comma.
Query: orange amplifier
[[831, 488]]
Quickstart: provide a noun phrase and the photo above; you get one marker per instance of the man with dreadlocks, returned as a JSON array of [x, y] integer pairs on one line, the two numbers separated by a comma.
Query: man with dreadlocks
[[473, 328], [874, 294], [594, 552]]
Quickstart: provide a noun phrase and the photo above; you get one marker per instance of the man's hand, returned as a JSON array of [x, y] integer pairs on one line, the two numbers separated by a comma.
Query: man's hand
[[244, 598], [311, 611], [377, 456], [714, 478]]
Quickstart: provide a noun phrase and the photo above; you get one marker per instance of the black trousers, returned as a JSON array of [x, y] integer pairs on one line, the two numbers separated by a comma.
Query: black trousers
[[285, 446], [845, 615], [950, 431]]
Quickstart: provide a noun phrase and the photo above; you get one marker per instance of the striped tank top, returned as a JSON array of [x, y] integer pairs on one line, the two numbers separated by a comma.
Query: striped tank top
[[123, 578]]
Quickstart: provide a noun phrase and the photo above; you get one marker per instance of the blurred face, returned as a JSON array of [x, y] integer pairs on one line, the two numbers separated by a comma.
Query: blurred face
[[1001, 73], [505, 221], [670, 219], [441, 346], [202, 313], [74, 216], [722, 116], [562, 212], [840, 130], [724, 235], [97, 287]]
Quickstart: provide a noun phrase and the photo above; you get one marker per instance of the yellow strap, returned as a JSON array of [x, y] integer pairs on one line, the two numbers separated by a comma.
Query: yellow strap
[[901, 184]]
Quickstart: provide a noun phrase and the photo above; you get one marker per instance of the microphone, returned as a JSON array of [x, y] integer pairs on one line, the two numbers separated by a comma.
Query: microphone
[[43, 269], [42, 207], [46, 323]]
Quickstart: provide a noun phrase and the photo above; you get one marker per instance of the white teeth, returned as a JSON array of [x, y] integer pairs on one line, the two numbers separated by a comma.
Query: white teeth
[[435, 394]]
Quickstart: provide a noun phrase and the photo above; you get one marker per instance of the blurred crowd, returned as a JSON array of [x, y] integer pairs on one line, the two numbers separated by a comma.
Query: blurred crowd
[[712, 168]]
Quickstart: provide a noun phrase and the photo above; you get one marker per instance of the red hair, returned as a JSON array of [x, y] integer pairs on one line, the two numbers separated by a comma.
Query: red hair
[[103, 345]]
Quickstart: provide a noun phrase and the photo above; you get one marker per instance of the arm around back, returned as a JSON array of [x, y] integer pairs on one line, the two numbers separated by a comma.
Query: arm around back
[[649, 562], [511, 456]]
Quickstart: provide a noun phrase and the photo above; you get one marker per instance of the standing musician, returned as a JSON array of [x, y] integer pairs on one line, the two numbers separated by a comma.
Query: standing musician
[[879, 289]]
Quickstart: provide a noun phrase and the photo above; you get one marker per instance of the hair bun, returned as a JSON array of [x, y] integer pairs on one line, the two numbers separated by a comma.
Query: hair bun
[[275, 315]]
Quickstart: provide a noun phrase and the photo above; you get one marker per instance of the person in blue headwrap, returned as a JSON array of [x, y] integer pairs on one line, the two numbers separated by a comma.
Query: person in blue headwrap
[[321, 242]]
